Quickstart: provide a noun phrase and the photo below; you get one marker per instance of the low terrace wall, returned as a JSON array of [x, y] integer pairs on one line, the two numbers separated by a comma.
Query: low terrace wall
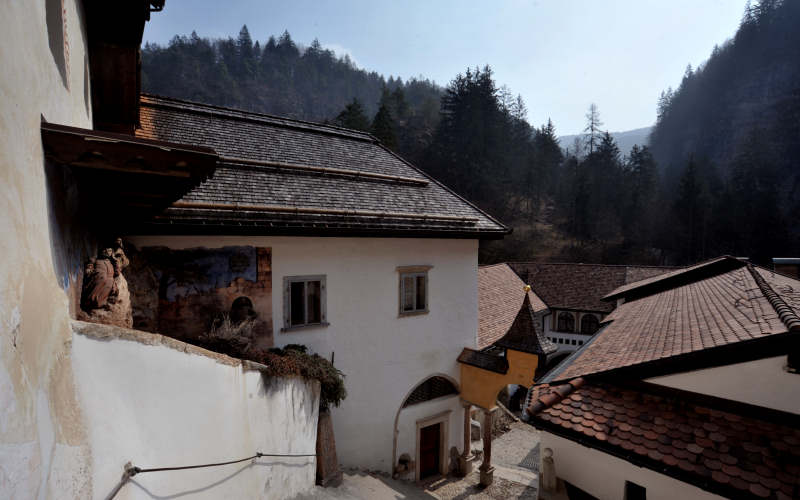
[[158, 402]]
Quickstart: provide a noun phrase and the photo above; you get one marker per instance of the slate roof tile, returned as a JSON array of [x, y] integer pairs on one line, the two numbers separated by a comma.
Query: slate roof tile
[[237, 134]]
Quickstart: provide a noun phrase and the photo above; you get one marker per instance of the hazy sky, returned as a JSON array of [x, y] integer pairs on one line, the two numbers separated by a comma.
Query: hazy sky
[[561, 55]]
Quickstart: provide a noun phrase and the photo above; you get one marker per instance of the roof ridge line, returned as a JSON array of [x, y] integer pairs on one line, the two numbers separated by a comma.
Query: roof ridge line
[[589, 264], [785, 312], [679, 277], [507, 229], [256, 117], [484, 266]]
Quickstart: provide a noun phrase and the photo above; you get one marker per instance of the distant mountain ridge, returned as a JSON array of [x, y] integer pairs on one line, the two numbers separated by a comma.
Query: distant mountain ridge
[[625, 139], [278, 77]]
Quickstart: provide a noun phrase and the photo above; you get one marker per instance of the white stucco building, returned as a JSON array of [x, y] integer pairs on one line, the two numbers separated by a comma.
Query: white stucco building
[[690, 388], [373, 265]]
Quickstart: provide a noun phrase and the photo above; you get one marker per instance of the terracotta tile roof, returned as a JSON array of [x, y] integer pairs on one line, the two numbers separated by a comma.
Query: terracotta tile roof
[[525, 336], [786, 287], [365, 189], [500, 296], [491, 362], [723, 449], [669, 326], [665, 277], [580, 287]]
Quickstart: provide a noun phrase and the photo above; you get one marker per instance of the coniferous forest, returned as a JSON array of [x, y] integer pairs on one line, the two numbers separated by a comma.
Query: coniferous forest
[[721, 174]]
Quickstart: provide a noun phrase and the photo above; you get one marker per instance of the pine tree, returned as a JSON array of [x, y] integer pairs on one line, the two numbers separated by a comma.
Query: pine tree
[[353, 117], [383, 127], [246, 60], [593, 125], [641, 191], [244, 44], [690, 209]]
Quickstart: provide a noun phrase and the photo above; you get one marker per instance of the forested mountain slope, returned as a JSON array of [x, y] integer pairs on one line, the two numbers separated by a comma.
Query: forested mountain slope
[[728, 140], [750, 84], [279, 78], [722, 176]]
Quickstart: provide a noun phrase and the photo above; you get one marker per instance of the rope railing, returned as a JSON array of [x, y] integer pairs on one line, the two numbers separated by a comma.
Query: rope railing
[[132, 470]]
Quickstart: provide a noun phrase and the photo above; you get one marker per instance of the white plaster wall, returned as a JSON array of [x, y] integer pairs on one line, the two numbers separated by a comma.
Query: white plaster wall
[[603, 475], [763, 382], [157, 407], [382, 355], [42, 442]]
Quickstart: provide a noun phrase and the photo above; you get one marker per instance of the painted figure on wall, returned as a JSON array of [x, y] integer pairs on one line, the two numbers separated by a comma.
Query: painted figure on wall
[[198, 293]]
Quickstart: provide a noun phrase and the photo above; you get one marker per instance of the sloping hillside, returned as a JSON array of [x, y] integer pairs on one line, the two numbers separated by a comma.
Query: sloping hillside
[[625, 140]]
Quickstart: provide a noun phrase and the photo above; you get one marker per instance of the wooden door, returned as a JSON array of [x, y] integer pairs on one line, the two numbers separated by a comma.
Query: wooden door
[[429, 450]]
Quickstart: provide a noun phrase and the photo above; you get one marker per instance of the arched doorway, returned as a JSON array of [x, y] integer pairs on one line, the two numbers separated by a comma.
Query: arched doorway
[[432, 433]]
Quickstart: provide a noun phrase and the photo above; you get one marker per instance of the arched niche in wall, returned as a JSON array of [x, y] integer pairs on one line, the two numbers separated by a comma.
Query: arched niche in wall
[[434, 386]]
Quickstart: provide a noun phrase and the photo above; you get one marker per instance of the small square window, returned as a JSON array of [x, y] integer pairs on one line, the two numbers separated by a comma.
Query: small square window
[[303, 301], [634, 492], [413, 289]]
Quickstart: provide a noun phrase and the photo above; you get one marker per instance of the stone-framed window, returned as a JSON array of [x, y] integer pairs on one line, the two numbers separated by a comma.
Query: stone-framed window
[[566, 322], [413, 290], [304, 302], [589, 324]]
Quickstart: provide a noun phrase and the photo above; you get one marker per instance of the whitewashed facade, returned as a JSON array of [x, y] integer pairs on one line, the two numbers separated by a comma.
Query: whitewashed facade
[[384, 355]]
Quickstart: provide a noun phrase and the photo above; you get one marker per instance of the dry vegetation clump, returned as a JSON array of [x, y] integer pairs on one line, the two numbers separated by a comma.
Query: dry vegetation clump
[[236, 340]]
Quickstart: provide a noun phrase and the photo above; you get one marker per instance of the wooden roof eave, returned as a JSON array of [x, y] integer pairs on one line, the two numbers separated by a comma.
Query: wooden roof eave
[[141, 176]]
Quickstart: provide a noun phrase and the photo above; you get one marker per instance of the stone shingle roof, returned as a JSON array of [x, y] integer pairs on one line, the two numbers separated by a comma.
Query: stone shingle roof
[[734, 450], [722, 310], [580, 287], [525, 336], [282, 176], [500, 296]]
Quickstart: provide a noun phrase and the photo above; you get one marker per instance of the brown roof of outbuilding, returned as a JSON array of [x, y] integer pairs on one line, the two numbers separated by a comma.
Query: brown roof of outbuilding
[[671, 278], [730, 449], [580, 287], [714, 320], [282, 176], [500, 295]]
